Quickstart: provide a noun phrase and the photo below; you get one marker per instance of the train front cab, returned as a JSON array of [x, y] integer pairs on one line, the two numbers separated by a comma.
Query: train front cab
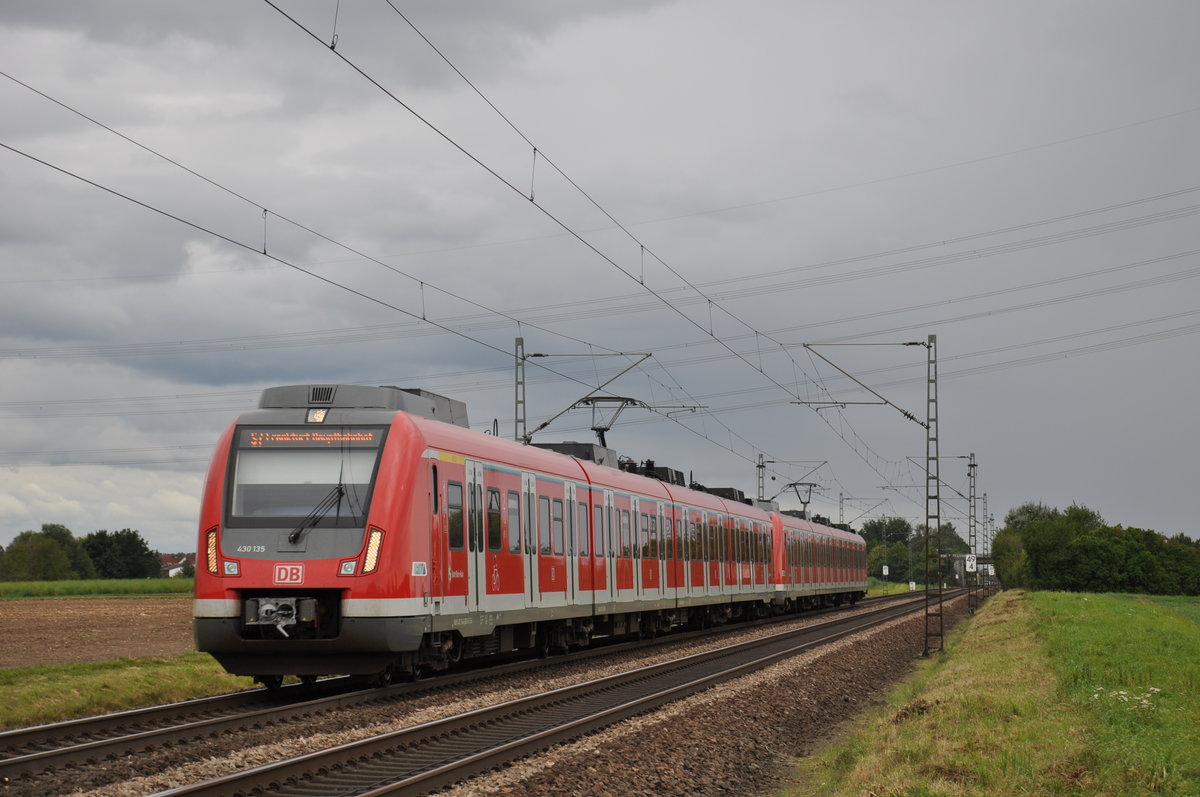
[[299, 546]]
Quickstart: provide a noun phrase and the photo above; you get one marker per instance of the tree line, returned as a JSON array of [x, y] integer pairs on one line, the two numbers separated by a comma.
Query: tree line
[[904, 549], [55, 554], [1076, 551]]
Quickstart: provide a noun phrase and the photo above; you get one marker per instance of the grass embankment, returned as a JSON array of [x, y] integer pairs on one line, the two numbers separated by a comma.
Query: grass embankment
[[109, 587], [877, 588], [1042, 693], [37, 695]]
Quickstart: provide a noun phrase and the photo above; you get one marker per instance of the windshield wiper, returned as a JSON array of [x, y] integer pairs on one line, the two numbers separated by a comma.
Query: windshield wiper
[[334, 498]]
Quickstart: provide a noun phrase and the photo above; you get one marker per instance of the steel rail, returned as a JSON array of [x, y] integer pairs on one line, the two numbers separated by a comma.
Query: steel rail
[[435, 754], [35, 738], [31, 751]]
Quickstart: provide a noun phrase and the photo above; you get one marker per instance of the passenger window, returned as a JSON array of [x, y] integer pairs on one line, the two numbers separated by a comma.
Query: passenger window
[[544, 524], [495, 534], [582, 526], [514, 522], [598, 530], [454, 512], [558, 527], [626, 535]]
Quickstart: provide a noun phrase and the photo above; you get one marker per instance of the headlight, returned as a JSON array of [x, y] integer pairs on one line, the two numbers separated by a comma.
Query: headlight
[[211, 551], [371, 560]]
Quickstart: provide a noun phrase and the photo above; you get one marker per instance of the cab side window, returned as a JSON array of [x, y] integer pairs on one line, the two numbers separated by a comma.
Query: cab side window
[[454, 514]]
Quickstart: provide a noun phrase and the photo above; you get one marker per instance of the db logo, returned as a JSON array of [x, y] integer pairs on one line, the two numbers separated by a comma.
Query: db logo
[[289, 574]]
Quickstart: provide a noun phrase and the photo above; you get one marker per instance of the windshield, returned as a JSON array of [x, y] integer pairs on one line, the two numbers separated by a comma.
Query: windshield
[[280, 475]]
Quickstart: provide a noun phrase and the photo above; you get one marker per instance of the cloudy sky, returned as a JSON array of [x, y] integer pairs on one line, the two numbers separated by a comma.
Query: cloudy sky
[[714, 183]]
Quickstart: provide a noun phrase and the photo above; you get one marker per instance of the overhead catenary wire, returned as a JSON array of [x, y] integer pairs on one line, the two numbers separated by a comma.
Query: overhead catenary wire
[[710, 302], [266, 211], [544, 210], [141, 348], [571, 231], [297, 267], [276, 258], [174, 349], [759, 365]]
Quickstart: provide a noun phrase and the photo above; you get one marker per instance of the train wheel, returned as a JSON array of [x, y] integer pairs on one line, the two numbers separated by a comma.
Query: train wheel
[[308, 680], [270, 682], [454, 649]]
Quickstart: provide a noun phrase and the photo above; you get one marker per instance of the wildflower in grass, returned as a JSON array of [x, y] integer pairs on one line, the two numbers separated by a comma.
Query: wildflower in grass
[[1133, 701]]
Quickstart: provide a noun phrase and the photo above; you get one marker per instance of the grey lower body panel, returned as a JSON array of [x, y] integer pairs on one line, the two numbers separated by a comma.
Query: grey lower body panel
[[365, 645]]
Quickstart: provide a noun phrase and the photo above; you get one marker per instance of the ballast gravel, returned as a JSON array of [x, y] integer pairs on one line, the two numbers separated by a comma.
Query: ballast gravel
[[733, 739], [737, 738]]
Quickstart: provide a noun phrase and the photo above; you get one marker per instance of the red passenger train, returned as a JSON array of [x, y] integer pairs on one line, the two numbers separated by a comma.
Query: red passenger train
[[366, 530]]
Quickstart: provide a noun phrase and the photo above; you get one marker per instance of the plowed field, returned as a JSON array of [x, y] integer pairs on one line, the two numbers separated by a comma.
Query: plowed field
[[70, 630]]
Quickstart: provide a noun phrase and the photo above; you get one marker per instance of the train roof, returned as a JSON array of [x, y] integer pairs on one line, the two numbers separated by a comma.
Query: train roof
[[793, 522], [466, 442], [443, 423]]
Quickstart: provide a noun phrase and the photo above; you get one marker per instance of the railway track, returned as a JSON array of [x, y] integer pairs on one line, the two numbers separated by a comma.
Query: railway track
[[28, 752], [433, 755]]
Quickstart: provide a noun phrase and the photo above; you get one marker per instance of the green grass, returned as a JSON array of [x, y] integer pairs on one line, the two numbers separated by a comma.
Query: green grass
[[1188, 607], [1046, 693], [95, 587], [1134, 664], [876, 587], [37, 695]]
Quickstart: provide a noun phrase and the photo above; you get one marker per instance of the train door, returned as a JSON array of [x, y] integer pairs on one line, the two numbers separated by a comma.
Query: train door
[[696, 566], [584, 574], [571, 551], [477, 570], [551, 536], [623, 542], [637, 536], [712, 565], [611, 544], [762, 556], [664, 550], [683, 550], [647, 548], [530, 557], [673, 552], [809, 570], [454, 563], [599, 552], [737, 555]]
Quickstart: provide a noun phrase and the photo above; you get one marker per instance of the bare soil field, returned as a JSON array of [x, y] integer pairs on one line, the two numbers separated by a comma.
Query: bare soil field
[[43, 631]]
